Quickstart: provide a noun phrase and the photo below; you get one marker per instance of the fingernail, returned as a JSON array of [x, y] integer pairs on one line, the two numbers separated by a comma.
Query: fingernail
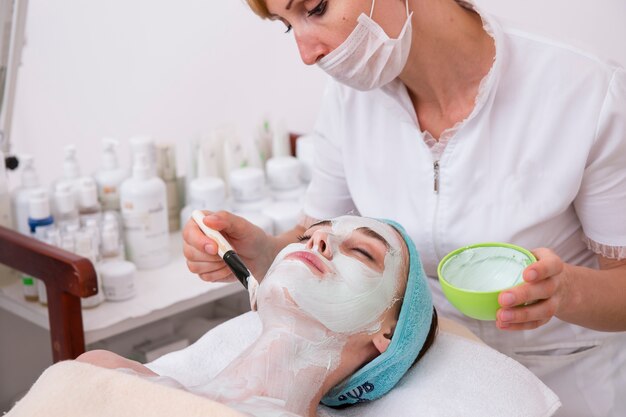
[[531, 275], [506, 315], [211, 217], [503, 325], [210, 249], [507, 299]]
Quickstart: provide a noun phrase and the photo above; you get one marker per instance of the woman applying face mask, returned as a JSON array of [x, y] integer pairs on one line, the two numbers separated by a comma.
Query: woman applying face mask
[[465, 130], [345, 313]]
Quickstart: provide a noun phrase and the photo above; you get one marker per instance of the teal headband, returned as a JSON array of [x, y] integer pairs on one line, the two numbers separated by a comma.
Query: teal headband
[[379, 376]]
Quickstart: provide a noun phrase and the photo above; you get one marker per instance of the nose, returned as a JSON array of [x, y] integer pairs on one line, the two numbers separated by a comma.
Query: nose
[[310, 48], [321, 240]]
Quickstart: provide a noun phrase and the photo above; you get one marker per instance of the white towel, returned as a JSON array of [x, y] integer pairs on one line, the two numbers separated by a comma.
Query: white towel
[[457, 377], [77, 389]]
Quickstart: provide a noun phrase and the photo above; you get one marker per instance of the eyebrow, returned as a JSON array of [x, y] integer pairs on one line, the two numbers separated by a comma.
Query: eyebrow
[[322, 223], [369, 232], [365, 230]]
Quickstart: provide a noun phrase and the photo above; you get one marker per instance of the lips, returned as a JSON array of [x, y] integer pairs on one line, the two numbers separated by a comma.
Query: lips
[[316, 265]]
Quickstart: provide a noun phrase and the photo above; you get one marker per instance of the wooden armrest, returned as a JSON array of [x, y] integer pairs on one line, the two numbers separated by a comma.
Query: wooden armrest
[[67, 277]]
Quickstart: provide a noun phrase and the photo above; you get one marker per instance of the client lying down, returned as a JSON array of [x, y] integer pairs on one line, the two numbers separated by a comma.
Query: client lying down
[[345, 313]]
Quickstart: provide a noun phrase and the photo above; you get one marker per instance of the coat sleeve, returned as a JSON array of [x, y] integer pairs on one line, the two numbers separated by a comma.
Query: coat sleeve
[[601, 201]]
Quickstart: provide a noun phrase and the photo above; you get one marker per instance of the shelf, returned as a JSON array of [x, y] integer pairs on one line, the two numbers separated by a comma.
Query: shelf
[[161, 293]]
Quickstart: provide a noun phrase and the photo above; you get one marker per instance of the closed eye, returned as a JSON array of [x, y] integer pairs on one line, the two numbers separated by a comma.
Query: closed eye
[[364, 253], [303, 238], [318, 10]]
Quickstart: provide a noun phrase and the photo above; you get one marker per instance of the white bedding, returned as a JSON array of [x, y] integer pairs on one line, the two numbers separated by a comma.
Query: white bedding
[[457, 377]]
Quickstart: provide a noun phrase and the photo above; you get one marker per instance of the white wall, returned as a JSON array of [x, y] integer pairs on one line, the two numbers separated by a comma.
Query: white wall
[[177, 69]]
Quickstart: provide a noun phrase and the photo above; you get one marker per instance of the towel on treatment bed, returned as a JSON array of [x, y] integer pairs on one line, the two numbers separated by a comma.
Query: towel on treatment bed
[[77, 389], [457, 377]]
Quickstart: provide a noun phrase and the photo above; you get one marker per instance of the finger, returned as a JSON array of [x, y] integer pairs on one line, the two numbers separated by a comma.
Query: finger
[[548, 264], [193, 236], [527, 293], [221, 275], [522, 326], [192, 254], [205, 267], [542, 310], [227, 223]]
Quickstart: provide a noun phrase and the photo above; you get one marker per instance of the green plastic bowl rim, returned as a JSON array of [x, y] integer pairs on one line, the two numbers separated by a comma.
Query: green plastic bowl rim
[[455, 252]]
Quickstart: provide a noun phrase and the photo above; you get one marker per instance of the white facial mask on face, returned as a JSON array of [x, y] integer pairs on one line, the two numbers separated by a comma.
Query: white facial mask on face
[[349, 300], [368, 58]]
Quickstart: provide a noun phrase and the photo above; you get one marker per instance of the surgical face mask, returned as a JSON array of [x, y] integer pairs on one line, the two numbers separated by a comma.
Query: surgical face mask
[[349, 297], [368, 58]]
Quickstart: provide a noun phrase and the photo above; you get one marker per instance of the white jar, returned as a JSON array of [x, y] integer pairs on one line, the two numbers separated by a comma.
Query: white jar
[[247, 186], [283, 176], [144, 214], [260, 220], [118, 280], [207, 193], [284, 215]]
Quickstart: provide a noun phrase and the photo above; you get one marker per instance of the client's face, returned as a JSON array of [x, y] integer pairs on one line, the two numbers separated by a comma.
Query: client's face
[[344, 274]]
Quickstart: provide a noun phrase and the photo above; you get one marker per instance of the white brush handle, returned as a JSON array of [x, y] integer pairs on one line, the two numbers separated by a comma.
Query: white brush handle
[[222, 244]]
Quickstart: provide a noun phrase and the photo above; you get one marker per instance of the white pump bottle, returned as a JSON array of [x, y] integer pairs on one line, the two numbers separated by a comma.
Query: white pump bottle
[[145, 217], [110, 177], [21, 195]]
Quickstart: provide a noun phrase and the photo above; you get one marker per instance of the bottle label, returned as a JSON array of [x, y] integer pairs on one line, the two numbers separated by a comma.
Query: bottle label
[[146, 232], [110, 197]]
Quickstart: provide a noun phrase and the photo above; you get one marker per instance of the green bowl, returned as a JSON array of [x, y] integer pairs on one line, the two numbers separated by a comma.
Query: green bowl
[[481, 305]]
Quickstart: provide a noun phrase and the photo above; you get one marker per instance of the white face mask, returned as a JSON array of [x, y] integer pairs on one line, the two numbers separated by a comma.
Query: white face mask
[[349, 298], [368, 58]]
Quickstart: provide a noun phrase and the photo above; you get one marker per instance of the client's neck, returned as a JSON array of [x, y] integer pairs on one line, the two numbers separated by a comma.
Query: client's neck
[[295, 365]]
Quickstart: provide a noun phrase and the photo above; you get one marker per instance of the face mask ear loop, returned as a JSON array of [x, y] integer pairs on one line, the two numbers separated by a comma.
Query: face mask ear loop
[[374, 2], [407, 8]]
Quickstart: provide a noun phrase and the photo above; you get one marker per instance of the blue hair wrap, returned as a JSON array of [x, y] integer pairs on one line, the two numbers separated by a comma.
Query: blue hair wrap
[[379, 376]]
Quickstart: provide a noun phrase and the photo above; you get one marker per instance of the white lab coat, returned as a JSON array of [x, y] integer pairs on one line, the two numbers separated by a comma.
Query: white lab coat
[[541, 162]]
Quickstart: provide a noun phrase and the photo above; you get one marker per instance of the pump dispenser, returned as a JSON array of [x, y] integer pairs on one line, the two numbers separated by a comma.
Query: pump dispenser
[[71, 169], [145, 218], [21, 195], [110, 177]]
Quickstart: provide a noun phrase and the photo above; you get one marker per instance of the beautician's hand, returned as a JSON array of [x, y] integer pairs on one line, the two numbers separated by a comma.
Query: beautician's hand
[[543, 291], [252, 244]]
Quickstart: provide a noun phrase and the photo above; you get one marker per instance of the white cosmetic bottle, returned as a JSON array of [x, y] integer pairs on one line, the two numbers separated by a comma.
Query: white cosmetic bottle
[[88, 205], [71, 169], [144, 214], [166, 169], [65, 208], [83, 241], [40, 221], [21, 195], [110, 177]]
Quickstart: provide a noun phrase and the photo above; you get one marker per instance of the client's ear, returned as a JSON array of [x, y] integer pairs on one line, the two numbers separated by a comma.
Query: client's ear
[[382, 339]]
